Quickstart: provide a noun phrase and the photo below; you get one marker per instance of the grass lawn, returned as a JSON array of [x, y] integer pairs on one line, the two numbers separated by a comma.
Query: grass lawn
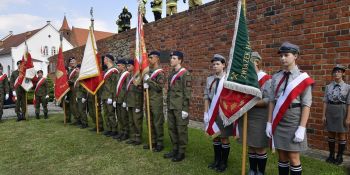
[[47, 147]]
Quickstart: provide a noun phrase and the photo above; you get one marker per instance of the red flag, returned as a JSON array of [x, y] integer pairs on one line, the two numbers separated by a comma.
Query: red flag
[[91, 76], [61, 81], [141, 65], [27, 72]]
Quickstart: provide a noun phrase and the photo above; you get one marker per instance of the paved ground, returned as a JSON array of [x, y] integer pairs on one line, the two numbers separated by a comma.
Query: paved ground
[[317, 154]]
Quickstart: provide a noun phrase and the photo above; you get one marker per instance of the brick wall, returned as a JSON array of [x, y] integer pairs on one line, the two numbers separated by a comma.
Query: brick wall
[[320, 28]]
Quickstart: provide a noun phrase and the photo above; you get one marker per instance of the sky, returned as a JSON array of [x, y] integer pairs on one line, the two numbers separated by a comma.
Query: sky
[[24, 15]]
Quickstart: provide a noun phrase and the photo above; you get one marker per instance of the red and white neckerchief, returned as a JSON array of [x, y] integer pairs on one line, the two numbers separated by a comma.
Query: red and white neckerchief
[[3, 76], [121, 81], [110, 72], [156, 73], [38, 85], [177, 75], [72, 74], [262, 78], [292, 91], [129, 83]]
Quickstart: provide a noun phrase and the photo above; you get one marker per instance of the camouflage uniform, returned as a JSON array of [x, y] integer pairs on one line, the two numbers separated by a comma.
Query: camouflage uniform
[[4, 89], [81, 97], [40, 97], [20, 94]]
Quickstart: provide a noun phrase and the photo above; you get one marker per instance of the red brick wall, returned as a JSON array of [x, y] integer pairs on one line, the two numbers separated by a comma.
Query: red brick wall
[[320, 28]]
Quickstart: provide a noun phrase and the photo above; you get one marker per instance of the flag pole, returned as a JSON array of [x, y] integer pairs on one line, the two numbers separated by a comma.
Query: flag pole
[[244, 151], [64, 111], [149, 121], [26, 113], [96, 113]]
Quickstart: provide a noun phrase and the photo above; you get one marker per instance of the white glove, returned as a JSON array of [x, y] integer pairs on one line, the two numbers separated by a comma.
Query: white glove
[[7, 96], [47, 96], [268, 130], [65, 99], [114, 104], [83, 100], [145, 85], [124, 105], [127, 109], [14, 93], [299, 134], [109, 101], [184, 114], [76, 99], [145, 77], [137, 110], [206, 118]]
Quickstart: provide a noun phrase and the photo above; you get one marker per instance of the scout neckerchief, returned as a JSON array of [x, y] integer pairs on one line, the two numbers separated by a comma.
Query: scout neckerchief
[[129, 83], [72, 74], [262, 78], [3, 76], [177, 75], [121, 81], [156, 73], [110, 72], [38, 85], [292, 91]]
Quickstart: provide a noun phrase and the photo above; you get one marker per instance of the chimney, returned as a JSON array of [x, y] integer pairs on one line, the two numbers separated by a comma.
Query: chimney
[[48, 22], [11, 32]]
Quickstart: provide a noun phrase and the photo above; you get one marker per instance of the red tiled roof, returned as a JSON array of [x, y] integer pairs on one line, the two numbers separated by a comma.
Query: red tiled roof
[[79, 36], [65, 25], [15, 40]]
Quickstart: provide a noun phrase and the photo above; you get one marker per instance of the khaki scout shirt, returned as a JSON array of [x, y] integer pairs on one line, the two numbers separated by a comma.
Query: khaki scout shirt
[[179, 94]]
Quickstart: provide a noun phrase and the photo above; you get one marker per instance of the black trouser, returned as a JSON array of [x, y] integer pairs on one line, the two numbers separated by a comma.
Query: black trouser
[[157, 15]]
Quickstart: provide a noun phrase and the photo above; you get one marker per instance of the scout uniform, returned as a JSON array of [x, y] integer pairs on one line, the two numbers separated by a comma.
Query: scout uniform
[[171, 7], [81, 97], [123, 120], [221, 150], [92, 111], [257, 117], [134, 103], [73, 76], [337, 101], [284, 132], [156, 83], [4, 90], [19, 93], [41, 95], [156, 6], [178, 101], [70, 99], [193, 3], [108, 91]]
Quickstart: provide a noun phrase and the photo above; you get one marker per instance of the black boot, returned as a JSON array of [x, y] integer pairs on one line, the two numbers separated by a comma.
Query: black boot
[[19, 117], [217, 155], [253, 163], [45, 116], [295, 170], [331, 145], [262, 159], [224, 157], [37, 116], [341, 148], [171, 154], [283, 168]]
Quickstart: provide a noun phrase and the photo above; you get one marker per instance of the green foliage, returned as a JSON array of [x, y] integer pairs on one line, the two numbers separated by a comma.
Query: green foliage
[[51, 89]]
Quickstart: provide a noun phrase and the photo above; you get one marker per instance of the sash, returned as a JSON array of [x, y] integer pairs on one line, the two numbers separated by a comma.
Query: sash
[[3, 76], [156, 73], [177, 75], [41, 81], [262, 78], [121, 81], [71, 75], [75, 83], [293, 90], [110, 72], [129, 83]]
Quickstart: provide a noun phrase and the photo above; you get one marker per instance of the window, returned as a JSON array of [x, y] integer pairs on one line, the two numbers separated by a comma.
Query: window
[[53, 50], [46, 51]]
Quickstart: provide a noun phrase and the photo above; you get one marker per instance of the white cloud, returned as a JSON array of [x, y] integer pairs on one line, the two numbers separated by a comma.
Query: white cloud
[[19, 23], [5, 3], [82, 22]]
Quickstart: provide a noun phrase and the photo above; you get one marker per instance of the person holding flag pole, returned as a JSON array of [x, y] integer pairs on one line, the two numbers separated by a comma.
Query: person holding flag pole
[[4, 90], [290, 100]]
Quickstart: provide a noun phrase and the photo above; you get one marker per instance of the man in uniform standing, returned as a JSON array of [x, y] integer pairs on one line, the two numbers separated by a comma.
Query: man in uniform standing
[[194, 3], [69, 99], [81, 95], [4, 89], [108, 91], [41, 95], [155, 83], [125, 17], [171, 7], [156, 6], [143, 11], [179, 94], [19, 93]]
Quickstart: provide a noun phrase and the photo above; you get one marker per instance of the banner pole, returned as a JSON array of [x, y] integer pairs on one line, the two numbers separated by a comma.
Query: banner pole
[[149, 121], [26, 103], [96, 113], [244, 151]]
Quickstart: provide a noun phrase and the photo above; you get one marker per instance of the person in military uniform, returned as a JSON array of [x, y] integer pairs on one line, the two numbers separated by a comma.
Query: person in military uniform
[[288, 127], [134, 103], [124, 18], [194, 3], [154, 82], [81, 98], [120, 25], [92, 111], [143, 11], [257, 140], [221, 143], [41, 95], [4, 90], [178, 101], [157, 6], [335, 113], [108, 92], [19, 93], [69, 98], [120, 102], [171, 7]]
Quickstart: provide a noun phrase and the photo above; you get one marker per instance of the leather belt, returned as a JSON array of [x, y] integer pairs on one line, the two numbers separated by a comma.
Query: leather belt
[[294, 105], [336, 103]]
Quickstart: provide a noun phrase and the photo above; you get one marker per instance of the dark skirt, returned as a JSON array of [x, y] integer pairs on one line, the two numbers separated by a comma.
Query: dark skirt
[[224, 131], [336, 116]]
